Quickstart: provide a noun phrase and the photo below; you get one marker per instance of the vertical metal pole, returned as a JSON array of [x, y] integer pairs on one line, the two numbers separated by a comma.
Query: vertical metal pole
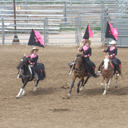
[[44, 34], [46, 31], [102, 20], [71, 11], [65, 13], [2, 31], [15, 40], [77, 30], [14, 15], [117, 5]]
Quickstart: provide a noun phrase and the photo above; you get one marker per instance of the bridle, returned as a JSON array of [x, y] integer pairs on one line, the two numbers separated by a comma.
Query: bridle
[[20, 73]]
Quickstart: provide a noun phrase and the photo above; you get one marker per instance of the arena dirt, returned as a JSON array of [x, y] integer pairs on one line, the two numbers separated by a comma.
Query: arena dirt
[[50, 107]]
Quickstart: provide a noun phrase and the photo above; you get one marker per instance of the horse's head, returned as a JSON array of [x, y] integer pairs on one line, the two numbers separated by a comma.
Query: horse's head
[[106, 62], [23, 61], [78, 62]]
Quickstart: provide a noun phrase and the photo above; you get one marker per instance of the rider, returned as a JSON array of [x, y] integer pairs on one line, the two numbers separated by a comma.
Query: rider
[[88, 64], [112, 50], [33, 61]]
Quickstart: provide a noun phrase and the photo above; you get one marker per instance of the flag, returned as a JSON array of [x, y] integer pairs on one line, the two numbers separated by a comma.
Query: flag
[[111, 32], [88, 33], [36, 39]]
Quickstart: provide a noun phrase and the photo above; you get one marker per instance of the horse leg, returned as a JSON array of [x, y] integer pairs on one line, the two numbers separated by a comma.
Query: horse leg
[[22, 89], [102, 84], [34, 90], [72, 85], [23, 92], [109, 82], [84, 83], [78, 86], [105, 90], [116, 81]]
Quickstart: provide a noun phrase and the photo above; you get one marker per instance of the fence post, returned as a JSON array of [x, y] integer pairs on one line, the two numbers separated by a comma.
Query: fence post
[[102, 20], [117, 8], [79, 30], [2, 31], [46, 38], [65, 13], [77, 37]]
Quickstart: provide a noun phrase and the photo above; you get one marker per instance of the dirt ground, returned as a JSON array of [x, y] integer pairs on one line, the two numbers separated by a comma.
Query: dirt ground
[[50, 106]]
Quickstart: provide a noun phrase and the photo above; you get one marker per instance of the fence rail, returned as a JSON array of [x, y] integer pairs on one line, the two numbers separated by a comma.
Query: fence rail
[[57, 20]]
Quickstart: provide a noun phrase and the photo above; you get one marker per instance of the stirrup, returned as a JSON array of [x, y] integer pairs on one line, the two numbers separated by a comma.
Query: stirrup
[[99, 73]]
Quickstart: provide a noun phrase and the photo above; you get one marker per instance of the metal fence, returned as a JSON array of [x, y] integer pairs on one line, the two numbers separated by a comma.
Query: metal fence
[[59, 22]]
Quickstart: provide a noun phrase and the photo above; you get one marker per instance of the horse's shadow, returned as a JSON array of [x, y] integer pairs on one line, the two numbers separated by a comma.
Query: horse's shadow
[[119, 91], [43, 91], [111, 91], [92, 92]]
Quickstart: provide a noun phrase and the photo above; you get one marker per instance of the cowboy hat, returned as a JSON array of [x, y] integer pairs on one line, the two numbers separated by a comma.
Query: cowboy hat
[[34, 48], [85, 41], [113, 42]]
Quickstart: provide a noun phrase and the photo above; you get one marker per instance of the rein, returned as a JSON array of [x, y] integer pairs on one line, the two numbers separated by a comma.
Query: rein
[[79, 71], [25, 76]]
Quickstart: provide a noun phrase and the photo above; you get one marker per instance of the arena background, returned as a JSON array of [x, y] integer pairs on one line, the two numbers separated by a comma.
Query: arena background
[[50, 106]]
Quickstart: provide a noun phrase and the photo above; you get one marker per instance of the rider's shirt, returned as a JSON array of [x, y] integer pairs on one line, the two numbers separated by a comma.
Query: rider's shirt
[[33, 58], [86, 51], [112, 50]]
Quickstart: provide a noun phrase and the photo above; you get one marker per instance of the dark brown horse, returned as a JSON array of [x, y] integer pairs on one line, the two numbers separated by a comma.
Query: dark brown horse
[[27, 73], [107, 73], [80, 72]]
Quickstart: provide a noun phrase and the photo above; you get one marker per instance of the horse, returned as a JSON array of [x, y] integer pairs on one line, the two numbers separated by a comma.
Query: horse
[[27, 73], [80, 72], [107, 73]]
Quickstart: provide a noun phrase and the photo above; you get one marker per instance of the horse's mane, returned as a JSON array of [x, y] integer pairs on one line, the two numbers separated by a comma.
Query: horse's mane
[[78, 55]]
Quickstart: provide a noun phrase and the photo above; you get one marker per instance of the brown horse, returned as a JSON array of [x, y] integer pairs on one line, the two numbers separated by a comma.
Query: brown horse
[[107, 73], [79, 72]]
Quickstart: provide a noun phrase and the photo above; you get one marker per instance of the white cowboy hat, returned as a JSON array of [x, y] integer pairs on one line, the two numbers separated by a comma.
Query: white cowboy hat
[[34, 48], [113, 42]]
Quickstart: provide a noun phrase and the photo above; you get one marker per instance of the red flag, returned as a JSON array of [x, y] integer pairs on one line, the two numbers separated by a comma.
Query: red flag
[[111, 32], [36, 39], [88, 33]]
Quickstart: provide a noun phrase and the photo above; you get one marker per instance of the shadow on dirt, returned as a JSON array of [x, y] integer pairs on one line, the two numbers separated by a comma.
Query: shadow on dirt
[[119, 91], [43, 91], [92, 92], [99, 91]]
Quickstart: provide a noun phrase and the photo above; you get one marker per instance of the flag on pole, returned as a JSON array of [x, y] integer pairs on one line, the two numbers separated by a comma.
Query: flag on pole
[[111, 32], [36, 39], [88, 33]]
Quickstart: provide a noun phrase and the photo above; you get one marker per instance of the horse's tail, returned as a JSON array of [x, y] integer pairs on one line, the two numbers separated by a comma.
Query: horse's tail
[[121, 71], [43, 73]]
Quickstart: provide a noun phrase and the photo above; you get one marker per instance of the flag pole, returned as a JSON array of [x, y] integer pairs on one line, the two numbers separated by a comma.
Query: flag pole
[[26, 49]]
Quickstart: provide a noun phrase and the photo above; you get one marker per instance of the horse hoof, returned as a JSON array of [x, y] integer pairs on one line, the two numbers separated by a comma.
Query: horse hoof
[[69, 94], [17, 97], [116, 86], [102, 84], [23, 93], [34, 90], [81, 88], [104, 93]]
